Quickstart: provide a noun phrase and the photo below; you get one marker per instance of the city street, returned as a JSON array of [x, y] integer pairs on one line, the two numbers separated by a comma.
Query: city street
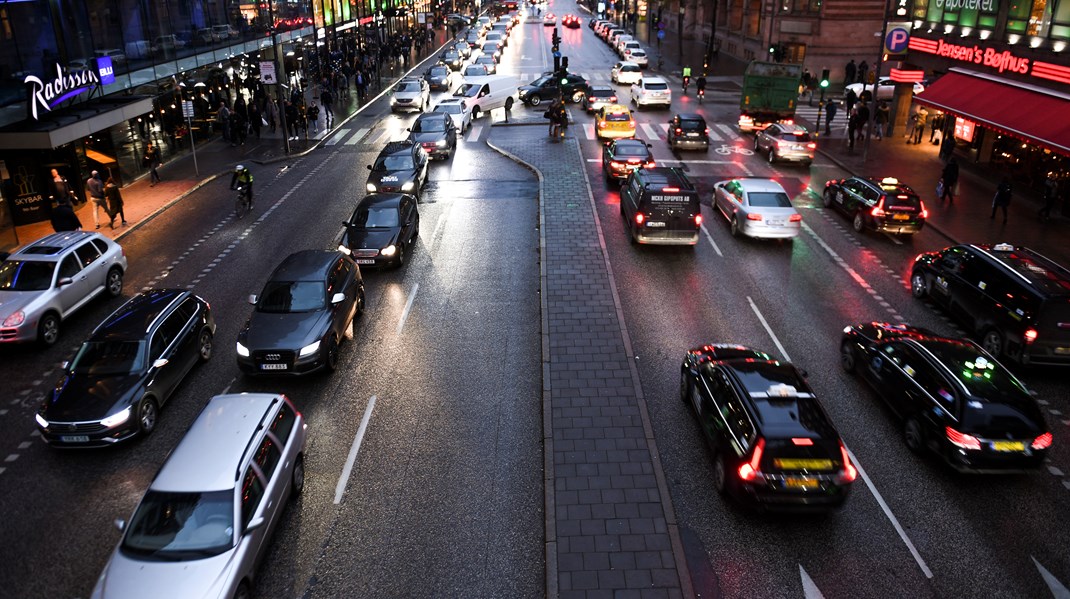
[[427, 461]]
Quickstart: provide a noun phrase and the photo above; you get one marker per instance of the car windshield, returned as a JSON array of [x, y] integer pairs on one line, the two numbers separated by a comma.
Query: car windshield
[[109, 358], [181, 526], [440, 72], [376, 217], [291, 296], [394, 163], [638, 52], [475, 70], [16, 275], [657, 85], [470, 91], [448, 108], [541, 81], [408, 86], [435, 125], [631, 150], [769, 199], [901, 201], [630, 68]]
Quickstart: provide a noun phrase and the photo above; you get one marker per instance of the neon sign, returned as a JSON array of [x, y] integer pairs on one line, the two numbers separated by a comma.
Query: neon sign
[[964, 129], [66, 85], [989, 57]]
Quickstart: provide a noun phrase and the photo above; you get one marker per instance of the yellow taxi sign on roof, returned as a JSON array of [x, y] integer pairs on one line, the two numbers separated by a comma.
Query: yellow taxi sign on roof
[[889, 181]]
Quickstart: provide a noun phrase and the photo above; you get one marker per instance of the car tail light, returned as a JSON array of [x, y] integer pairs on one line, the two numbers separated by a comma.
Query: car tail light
[[788, 122], [679, 130], [924, 211], [698, 219], [670, 189], [639, 218], [651, 164], [1030, 336], [616, 165], [1042, 442], [631, 123], [749, 471], [849, 471], [795, 218], [602, 125], [962, 439], [802, 441], [811, 146], [706, 130], [878, 210], [613, 99], [753, 216]]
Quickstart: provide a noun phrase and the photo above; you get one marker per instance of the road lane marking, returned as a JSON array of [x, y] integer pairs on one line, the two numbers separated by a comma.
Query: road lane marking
[[649, 131], [357, 137], [408, 307], [768, 329], [474, 133], [710, 239], [338, 136], [1058, 589], [810, 590], [340, 488]]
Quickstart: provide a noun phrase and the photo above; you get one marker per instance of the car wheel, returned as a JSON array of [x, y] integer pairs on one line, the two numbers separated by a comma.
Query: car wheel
[[401, 255], [859, 223], [918, 287], [204, 345], [736, 232], [992, 341], [115, 282], [297, 482], [242, 592], [847, 356], [720, 475], [330, 359], [757, 147], [772, 156], [48, 329], [147, 415], [913, 436], [826, 199], [685, 386], [361, 304], [475, 115], [534, 100]]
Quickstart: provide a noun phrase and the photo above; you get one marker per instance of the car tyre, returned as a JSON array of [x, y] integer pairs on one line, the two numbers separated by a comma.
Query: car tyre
[[848, 357], [913, 435], [243, 591], [330, 357], [48, 329], [534, 100], [148, 414], [736, 231], [826, 199], [577, 97], [685, 386], [757, 146], [297, 481], [114, 282], [772, 156], [858, 223], [204, 345], [720, 475], [401, 255], [361, 304], [918, 287], [508, 104], [992, 341], [475, 115]]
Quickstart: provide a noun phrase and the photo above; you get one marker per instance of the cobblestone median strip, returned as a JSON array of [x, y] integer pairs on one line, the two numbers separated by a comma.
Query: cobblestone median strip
[[610, 529]]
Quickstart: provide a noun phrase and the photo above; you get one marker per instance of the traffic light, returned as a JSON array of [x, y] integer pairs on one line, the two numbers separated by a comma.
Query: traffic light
[[564, 64], [824, 78], [556, 48]]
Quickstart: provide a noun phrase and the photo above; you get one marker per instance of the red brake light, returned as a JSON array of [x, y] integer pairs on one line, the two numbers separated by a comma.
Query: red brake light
[[1030, 336], [802, 441], [962, 439], [613, 99], [788, 122], [670, 189], [633, 161], [639, 218], [753, 216], [1042, 442], [849, 471], [878, 210], [795, 218], [698, 219], [678, 130], [749, 471], [924, 212]]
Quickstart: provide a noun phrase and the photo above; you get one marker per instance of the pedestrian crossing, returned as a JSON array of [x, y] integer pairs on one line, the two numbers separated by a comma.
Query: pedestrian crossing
[[719, 133], [347, 136]]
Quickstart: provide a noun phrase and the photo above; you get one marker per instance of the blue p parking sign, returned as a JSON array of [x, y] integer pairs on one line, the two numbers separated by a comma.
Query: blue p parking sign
[[661, 34], [897, 40]]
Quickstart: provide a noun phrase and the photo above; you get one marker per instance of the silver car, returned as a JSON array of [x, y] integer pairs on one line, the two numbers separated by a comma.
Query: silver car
[[785, 141], [458, 111], [757, 208], [45, 282], [208, 516], [411, 93]]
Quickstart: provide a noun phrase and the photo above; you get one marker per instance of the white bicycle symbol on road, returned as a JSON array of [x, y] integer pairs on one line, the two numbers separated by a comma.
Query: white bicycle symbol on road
[[726, 149]]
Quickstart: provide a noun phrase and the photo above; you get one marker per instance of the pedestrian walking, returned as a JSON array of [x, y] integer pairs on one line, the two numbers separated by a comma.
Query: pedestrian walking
[[881, 118], [830, 114], [115, 202], [292, 115], [1051, 193], [850, 98], [863, 72], [849, 72], [238, 127], [937, 125], [327, 101], [271, 113], [313, 115], [223, 118], [949, 180], [919, 124], [863, 120], [63, 187], [947, 146], [256, 121], [152, 161], [1002, 199], [94, 191], [63, 216]]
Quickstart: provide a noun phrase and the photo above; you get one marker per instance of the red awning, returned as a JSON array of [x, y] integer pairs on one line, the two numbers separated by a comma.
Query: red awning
[[1024, 111]]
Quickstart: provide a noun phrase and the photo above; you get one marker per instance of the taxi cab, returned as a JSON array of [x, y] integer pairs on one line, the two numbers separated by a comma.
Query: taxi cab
[[885, 205], [614, 122]]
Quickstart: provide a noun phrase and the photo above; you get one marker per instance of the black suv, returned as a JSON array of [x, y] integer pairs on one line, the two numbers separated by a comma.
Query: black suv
[[884, 205], [128, 368], [688, 131], [439, 77], [302, 315], [772, 442], [400, 167], [548, 87], [953, 397], [436, 133], [660, 205], [1015, 300]]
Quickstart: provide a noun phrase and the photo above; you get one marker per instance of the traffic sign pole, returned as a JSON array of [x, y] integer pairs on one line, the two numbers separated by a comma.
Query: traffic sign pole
[[187, 111]]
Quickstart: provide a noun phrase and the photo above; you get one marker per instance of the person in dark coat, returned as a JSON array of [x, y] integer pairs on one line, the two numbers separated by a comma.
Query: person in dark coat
[[1002, 199], [63, 216], [830, 114], [863, 70], [950, 177], [115, 201], [849, 72]]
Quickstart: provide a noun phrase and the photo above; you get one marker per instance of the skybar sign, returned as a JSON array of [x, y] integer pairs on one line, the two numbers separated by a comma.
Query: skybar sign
[[49, 93]]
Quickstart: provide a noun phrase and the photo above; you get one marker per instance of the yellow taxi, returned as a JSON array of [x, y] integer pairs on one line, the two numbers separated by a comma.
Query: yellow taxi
[[614, 122]]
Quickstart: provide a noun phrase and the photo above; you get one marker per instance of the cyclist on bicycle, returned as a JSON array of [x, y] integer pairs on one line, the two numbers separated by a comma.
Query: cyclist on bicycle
[[687, 78], [700, 85], [243, 175]]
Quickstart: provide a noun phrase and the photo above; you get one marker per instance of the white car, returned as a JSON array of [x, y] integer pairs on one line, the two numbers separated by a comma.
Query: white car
[[885, 88], [757, 208], [618, 44], [627, 47], [458, 111], [626, 73], [411, 93], [638, 56], [651, 90]]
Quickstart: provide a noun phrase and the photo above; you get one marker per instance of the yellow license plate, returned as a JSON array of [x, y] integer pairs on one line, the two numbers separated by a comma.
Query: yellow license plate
[[804, 484], [901, 216], [802, 464], [1008, 445], [1062, 350]]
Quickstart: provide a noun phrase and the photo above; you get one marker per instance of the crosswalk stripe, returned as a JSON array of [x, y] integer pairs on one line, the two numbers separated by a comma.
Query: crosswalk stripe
[[730, 131], [651, 134], [337, 137], [356, 137], [473, 133], [588, 130], [379, 139]]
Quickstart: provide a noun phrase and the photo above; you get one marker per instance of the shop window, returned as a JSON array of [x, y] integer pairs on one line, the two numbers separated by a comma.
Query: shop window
[[1060, 21], [920, 10], [1018, 16]]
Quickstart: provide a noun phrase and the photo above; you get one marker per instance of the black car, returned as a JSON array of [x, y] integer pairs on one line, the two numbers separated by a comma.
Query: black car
[[1015, 300], [622, 156], [884, 205], [549, 86], [400, 167], [953, 397], [302, 315], [436, 133], [773, 443], [452, 59], [383, 228], [598, 96], [688, 131], [439, 77], [128, 368]]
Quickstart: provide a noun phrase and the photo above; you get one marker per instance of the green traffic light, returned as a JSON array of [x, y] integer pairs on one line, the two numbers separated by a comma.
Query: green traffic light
[[824, 83]]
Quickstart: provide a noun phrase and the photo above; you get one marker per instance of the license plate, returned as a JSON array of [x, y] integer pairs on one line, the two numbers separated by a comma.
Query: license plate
[[74, 438], [1062, 351], [692, 134], [805, 484], [802, 464], [1008, 446], [775, 223], [655, 224], [274, 366], [364, 261], [901, 216]]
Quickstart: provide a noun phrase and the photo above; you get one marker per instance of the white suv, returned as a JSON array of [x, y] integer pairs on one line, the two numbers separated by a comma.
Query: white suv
[[651, 90], [411, 93]]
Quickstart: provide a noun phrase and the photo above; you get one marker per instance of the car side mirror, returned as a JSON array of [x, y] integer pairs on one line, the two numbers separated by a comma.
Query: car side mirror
[[120, 524], [252, 299], [409, 129], [338, 298], [254, 524], [649, 146], [369, 167], [160, 363], [64, 281]]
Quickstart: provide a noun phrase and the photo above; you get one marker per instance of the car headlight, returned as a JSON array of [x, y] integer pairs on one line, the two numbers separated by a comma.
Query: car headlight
[[116, 419], [242, 350], [408, 186], [393, 100], [389, 250], [15, 319], [309, 349], [371, 187], [441, 143], [41, 421]]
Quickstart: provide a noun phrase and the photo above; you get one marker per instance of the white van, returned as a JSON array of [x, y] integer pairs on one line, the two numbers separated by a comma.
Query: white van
[[483, 94]]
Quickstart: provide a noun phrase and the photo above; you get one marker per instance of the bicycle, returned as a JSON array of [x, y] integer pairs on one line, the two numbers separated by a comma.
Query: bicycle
[[242, 205], [687, 80]]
